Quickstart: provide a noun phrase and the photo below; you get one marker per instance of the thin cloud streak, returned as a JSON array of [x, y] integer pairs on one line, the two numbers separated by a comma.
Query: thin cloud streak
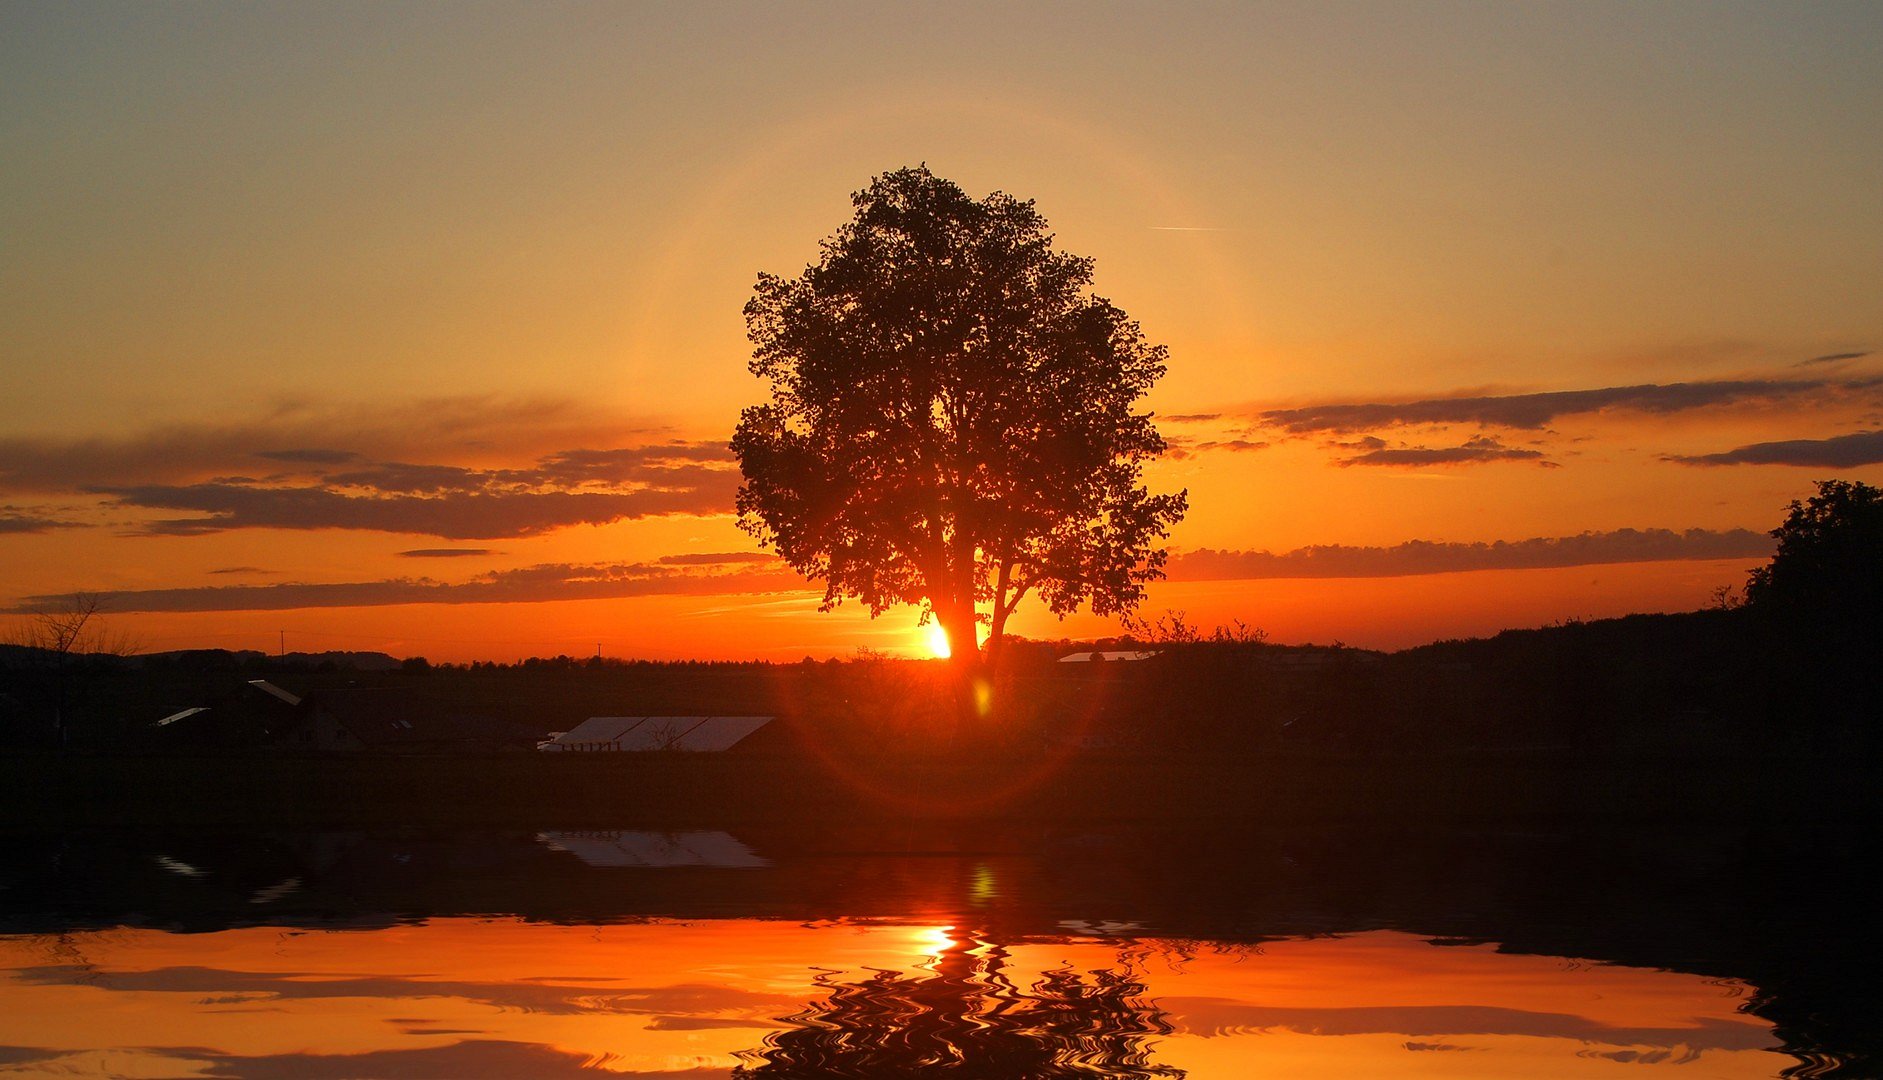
[[1177, 447], [1419, 557], [718, 558], [302, 435], [1478, 451], [1531, 411], [17, 521], [533, 584], [1837, 452], [454, 502], [455, 516]]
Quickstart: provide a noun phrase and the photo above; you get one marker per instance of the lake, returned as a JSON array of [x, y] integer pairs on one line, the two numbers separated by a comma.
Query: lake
[[982, 950]]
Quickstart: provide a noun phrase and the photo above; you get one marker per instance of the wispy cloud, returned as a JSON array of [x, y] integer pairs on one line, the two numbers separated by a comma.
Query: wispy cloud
[[531, 584], [1416, 557], [311, 456], [1837, 452], [1530, 411], [1832, 358], [21, 519], [452, 516], [299, 435], [455, 502], [1178, 447], [444, 553], [1475, 451], [718, 558]]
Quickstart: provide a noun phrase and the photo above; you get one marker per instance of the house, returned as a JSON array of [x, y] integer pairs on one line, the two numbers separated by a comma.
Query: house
[[700, 734], [248, 714]]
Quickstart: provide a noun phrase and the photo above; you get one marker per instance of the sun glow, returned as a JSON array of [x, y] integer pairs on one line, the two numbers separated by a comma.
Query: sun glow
[[935, 640]]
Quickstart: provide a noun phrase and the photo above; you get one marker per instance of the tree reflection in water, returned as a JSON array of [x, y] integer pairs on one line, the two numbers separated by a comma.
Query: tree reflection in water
[[963, 1015]]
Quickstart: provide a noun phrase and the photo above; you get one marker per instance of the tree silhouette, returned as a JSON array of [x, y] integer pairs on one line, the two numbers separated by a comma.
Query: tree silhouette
[[1829, 563], [952, 419], [964, 1016], [66, 631]]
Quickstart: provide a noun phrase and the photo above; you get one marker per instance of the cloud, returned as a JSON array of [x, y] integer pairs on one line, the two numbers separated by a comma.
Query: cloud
[[1832, 358], [310, 456], [455, 502], [1193, 418], [21, 519], [1179, 448], [1530, 411], [1837, 452], [243, 570], [717, 558], [444, 553], [1475, 451], [304, 434], [531, 584], [451, 517], [1416, 557]]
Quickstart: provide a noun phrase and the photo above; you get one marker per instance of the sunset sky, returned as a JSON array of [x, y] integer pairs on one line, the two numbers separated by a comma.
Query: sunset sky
[[417, 327]]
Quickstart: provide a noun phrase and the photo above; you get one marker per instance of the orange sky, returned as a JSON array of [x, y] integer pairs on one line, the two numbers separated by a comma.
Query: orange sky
[[289, 294]]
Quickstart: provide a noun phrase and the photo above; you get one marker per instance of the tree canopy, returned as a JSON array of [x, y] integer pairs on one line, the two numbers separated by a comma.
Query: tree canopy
[[1829, 562], [953, 418]]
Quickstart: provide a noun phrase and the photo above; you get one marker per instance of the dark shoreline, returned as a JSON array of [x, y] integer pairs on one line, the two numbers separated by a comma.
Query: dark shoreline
[[1437, 789]]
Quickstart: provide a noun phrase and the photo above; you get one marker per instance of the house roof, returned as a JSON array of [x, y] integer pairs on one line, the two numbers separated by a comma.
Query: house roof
[[705, 734], [183, 715], [274, 691], [656, 849]]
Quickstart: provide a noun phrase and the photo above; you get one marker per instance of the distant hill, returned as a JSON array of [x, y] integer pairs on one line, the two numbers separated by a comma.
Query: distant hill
[[246, 658], [21, 656]]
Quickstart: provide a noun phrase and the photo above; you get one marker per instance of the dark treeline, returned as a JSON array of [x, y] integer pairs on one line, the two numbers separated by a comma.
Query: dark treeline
[[1710, 682], [1790, 672]]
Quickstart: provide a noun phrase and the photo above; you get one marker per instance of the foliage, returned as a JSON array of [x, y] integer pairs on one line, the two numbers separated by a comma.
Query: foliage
[[952, 418], [1829, 561]]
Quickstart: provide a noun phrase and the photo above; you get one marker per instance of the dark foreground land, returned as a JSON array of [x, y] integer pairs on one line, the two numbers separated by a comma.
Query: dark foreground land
[[682, 790], [1710, 715]]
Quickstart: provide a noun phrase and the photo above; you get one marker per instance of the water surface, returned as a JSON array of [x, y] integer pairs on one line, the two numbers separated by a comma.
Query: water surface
[[1015, 953]]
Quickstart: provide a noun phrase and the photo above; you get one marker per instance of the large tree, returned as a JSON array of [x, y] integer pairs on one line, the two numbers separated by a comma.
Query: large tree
[[953, 419]]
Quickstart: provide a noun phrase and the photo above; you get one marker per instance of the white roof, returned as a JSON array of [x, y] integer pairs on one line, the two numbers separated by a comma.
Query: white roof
[[655, 849], [697, 733], [1088, 657], [184, 715], [269, 688]]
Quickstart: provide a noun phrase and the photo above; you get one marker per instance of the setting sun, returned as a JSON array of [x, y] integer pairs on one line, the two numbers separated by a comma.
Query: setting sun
[[935, 640]]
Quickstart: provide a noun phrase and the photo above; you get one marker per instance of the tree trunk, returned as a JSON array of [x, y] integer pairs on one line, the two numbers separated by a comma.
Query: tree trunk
[[964, 665]]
